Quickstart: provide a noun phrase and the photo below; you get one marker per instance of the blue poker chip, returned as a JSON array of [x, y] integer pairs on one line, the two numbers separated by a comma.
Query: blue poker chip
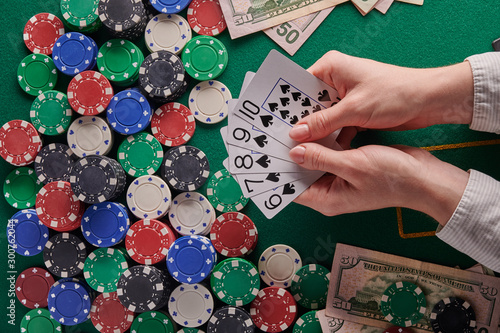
[[105, 224], [170, 7], [191, 259], [69, 302], [26, 234], [129, 112], [74, 53]]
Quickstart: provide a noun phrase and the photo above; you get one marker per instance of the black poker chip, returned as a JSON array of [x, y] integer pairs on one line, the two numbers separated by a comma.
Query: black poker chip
[[185, 168], [453, 315], [123, 18], [54, 163], [230, 319], [64, 255]]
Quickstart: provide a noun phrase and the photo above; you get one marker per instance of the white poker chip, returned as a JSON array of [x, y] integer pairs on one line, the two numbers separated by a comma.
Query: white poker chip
[[209, 227], [208, 101], [278, 264], [148, 197], [90, 135], [191, 305], [167, 32], [191, 214]]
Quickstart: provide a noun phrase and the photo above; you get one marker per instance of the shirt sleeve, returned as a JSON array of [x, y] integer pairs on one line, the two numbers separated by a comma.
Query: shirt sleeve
[[486, 74], [474, 227]]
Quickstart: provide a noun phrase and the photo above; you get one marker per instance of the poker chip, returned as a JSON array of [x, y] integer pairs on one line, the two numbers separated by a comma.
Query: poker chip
[[190, 305], [90, 135], [21, 187], [167, 32], [152, 321], [204, 58], [81, 15], [173, 124], [170, 7], [453, 314], [307, 323], [233, 234], [161, 75], [64, 255], [273, 310], [109, 316], [403, 304], [206, 18], [69, 302], [105, 224], [103, 268], [142, 288], [230, 319], [148, 197], [57, 206], [397, 329], [119, 61], [140, 154], [26, 234], [97, 179], [51, 113], [148, 241], [125, 19], [36, 74], [310, 286], [191, 214], [235, 281], [185, 168], [277, 265], [190, 330], [32, 287], [40, 318], [129, 112], [208, 101], [191, 259], [19, 142], [74, 53], [41, 32], [54, 163], [224, 193], [89, 93]]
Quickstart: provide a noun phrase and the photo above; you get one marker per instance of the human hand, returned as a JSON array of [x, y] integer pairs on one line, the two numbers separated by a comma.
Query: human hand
[[381, 96]]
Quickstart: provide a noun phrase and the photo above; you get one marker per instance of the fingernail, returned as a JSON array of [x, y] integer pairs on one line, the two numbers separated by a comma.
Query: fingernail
[[297, 154], [300, 132]]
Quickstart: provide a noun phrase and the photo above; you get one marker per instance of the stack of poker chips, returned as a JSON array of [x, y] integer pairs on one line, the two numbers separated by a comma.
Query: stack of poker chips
[[123, 19]]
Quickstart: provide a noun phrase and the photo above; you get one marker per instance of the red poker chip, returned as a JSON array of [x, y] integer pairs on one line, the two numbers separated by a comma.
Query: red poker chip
[[273, 310], [109, 316], [147, 241], [32, 287], [206, 18], [397, 329], [58, 207], [75, 225], [19, 142], [89, 93], [233, 234], [173, 124], [41, 33]]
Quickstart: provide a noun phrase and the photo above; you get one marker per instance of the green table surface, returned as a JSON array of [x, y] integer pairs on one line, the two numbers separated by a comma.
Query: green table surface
[[439, 33]]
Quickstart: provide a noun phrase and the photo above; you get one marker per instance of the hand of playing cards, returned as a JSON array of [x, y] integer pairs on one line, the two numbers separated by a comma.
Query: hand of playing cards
[[271, 102]]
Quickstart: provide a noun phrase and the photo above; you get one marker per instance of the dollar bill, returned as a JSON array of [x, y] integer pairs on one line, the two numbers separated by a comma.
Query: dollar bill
[[244, 17], [292, 34], [335, 325], [360, 276]]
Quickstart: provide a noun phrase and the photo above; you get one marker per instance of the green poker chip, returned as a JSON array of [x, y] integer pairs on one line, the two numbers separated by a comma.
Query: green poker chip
[[39, 320], [51, 113], [310, 286], [235, 281], [204, 58], [21, 187], [36, 74], [153, 321], [140, 154], [103, 268], [403, 304], [308, 323], [224, 193], [119, 61], [81, 15]]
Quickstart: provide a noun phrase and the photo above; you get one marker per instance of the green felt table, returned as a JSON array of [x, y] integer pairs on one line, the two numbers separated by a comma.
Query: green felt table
[[438, 33]]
